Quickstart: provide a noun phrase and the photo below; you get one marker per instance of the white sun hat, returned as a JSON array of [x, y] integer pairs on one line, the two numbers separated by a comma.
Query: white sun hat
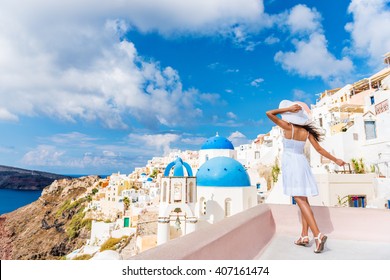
[[301, 117]]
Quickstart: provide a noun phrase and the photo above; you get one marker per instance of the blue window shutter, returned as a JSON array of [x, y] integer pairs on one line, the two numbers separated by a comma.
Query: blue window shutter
[[369, 127]]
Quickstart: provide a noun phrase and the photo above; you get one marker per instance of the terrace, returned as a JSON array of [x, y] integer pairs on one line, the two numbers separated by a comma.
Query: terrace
[[267, 231]]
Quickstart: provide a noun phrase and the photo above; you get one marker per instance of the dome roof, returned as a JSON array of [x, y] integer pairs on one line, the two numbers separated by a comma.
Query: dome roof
[[149, 179], [222, 172], [178, 168], [217, 142]]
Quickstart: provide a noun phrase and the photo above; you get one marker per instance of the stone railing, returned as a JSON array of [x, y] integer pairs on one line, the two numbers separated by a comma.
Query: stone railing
[[247, 234]]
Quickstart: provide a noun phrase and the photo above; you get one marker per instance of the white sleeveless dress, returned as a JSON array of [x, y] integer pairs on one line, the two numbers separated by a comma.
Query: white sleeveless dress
[[298, 179]]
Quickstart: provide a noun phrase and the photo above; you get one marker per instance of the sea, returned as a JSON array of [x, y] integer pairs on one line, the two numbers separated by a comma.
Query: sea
[[11, 200]]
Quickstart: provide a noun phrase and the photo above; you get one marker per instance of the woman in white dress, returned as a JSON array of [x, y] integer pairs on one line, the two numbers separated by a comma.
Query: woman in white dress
[[298, 180]]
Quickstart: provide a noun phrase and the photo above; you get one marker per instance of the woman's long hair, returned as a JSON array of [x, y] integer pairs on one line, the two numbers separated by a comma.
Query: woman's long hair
[[313, 130]]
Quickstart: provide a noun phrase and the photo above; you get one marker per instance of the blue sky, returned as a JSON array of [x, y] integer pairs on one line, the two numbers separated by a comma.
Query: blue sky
[[98, 87]]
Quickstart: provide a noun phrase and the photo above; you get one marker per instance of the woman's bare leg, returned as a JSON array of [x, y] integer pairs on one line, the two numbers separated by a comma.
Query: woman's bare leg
[[305, 226], [304, 238], [308, 220]]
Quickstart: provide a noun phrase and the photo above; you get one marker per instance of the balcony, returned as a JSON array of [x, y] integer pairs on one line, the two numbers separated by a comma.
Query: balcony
[[267, 231]]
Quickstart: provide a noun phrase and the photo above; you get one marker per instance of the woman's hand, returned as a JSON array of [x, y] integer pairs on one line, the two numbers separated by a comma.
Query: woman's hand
[[340, 162], [294, 108]]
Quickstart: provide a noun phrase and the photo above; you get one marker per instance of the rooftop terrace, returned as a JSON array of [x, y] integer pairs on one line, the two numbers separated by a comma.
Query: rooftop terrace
[[267, 231]]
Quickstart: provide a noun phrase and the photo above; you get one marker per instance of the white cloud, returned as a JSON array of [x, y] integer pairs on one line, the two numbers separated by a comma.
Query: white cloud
[[65, 60], [302, 19], [237, 138], [214, 65], [312, 59], [194, 140], [112, 82], [84, 153], [270, 40], [171, 16], [5, 115], [110, 154], [44, 155], [72, 138], [250, 46], [257, 82], [158, 142], [212, 98], [226, 123], [232, 70], [300, 95], [106, 160], [369, 29], [231, 115]]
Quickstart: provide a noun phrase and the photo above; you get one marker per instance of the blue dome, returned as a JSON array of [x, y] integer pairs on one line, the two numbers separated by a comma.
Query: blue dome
[[149, 179], [178, 168], [217, 142], [222, 172]]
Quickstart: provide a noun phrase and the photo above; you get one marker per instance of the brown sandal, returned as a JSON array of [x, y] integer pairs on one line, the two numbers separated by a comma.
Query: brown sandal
[[301, 241], [321, 242]]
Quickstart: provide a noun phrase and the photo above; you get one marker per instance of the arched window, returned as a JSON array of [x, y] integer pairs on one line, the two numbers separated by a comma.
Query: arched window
[[177, 192], [228, 206]]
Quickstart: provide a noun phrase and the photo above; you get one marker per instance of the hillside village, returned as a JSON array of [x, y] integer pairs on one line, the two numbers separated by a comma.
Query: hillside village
[[186, 190]]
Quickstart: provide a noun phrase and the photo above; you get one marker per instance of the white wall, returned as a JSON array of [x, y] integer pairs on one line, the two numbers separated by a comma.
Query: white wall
[[100, 232], [212, 153], [241, 198], [332, 186]]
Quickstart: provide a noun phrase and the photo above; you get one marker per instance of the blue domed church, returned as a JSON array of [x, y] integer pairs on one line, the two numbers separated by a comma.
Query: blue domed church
[[220, 189], [223, 184], [216, 146]]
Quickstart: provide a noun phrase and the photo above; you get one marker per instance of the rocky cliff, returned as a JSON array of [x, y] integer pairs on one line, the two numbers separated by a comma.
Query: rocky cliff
[[23, 179], [50, 227]]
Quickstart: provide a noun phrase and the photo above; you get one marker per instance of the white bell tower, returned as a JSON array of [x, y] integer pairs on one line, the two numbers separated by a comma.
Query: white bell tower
[[177, 202]]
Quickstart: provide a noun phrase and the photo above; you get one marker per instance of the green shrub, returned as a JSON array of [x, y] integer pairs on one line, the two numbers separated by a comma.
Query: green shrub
[[64, 206], [67, 206], [76, 224], [110, 244], [358, 166], [87, 224], [275, 172]]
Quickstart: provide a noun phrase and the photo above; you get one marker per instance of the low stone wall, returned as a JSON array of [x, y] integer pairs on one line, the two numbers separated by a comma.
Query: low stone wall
[[247, 234], [242, 236]]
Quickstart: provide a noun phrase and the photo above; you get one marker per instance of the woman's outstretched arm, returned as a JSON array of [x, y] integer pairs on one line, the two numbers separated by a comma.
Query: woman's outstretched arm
[[324, 152]]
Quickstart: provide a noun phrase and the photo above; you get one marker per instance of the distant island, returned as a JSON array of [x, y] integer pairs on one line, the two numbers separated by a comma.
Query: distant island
[[23, 179]]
